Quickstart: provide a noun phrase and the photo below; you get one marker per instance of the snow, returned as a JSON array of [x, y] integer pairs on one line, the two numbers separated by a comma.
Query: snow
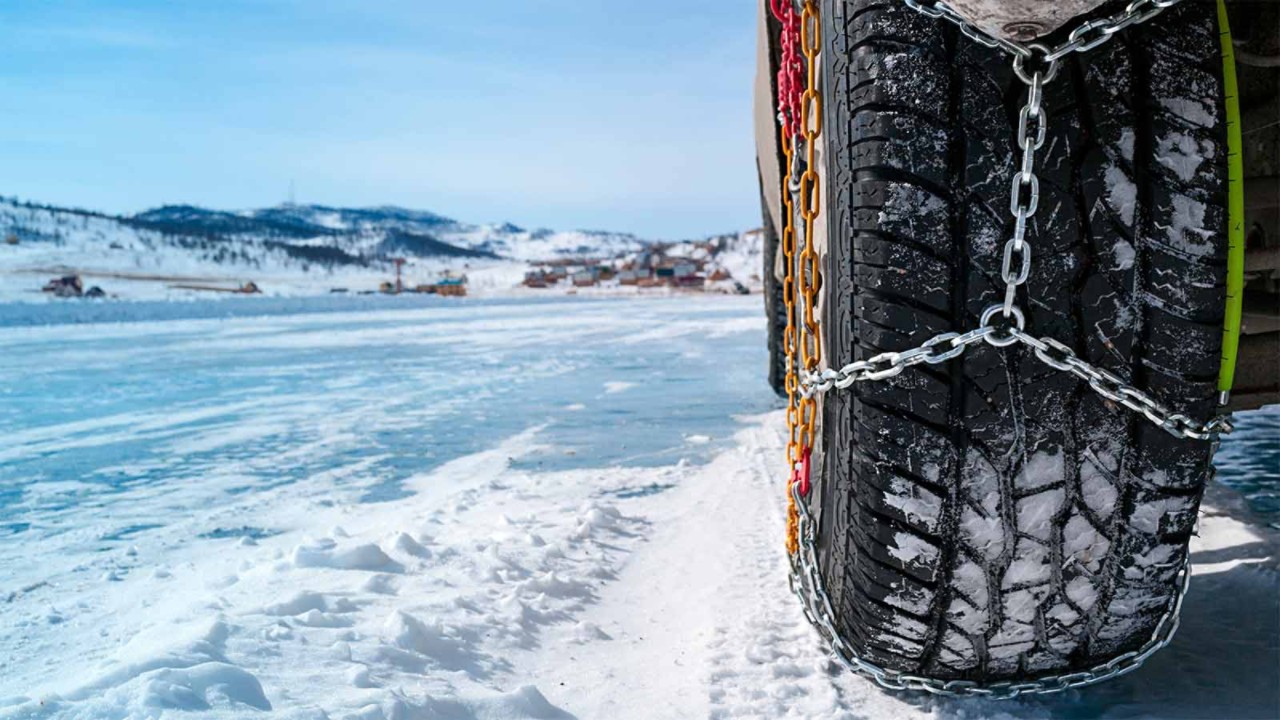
[[911, 549], [1124, 254], [1122, 196], [1097, 488], [1186, 229], [1192, 110], [983, 533], [910, 210], [370, 514], [972, 582], [1151, 516], [1183, 154], [361, 230], [326, 553], [1036, 512], [1040, 470], [743, 258], [917, 504], [1029, 567], [1126, 144], [1084, 543]]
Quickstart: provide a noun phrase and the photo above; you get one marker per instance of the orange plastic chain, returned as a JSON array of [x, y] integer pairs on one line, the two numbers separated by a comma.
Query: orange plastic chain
[[801, 340]]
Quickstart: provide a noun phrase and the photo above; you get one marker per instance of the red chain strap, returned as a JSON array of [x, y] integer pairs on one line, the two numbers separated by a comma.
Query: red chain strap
[[791, 68]]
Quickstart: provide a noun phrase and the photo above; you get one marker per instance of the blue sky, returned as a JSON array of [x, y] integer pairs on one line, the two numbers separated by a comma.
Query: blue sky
[[618, 115]]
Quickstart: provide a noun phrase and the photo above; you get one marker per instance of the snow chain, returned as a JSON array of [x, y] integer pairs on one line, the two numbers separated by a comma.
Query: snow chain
[[800, 115], [1000, 326]]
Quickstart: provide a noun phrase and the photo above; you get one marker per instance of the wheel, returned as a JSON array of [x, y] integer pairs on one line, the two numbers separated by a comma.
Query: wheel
[[993, 518]]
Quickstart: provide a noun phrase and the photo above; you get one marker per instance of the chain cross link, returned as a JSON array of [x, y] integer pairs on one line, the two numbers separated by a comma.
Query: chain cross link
[[1053, 353], [890, 364]]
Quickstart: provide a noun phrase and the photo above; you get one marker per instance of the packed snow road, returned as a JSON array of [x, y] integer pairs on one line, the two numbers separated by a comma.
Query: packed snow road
[[460, 510]]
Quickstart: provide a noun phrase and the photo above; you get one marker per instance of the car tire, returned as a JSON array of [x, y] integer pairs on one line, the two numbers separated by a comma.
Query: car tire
[[993, 518]]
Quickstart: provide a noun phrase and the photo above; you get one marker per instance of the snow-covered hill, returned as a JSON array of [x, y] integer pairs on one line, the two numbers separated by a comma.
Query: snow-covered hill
[[741, 254], [290, 249], [389, 230]]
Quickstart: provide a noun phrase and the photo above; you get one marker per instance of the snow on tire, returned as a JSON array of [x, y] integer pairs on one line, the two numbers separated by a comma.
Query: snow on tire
[[993, 518]]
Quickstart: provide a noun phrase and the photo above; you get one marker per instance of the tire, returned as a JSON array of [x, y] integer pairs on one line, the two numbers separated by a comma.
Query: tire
[[992, 518], [775, 308]]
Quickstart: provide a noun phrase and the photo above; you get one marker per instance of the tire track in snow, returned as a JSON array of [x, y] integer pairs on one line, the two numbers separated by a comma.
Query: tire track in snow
[[700, 622]]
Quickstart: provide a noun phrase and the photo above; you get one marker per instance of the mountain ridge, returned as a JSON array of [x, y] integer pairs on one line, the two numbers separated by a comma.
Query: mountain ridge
[[369, 230]]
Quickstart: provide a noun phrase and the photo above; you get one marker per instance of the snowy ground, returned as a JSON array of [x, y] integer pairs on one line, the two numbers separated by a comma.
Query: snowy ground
[[461, 510]]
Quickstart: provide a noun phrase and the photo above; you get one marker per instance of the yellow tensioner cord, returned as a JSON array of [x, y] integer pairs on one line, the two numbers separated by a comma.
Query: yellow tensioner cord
[[1235, 210]]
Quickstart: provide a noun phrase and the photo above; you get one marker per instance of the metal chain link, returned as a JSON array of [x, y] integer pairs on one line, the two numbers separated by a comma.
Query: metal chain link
[[1001, 326], [1024, 194], [891, 364]]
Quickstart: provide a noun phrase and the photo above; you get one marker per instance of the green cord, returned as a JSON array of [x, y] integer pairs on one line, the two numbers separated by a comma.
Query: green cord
[[1235, 209]]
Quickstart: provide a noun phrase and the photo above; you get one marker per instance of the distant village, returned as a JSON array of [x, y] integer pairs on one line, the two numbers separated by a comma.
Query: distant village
[[447, 284], [702, 266], [684, 266]]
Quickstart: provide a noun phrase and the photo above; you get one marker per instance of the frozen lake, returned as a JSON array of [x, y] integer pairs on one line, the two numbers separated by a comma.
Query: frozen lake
[[193, 494], [104, 420]]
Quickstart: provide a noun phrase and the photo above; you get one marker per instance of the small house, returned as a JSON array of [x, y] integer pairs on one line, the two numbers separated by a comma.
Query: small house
[[452, 287], [65, 286], [690, 281], [449, 285]]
